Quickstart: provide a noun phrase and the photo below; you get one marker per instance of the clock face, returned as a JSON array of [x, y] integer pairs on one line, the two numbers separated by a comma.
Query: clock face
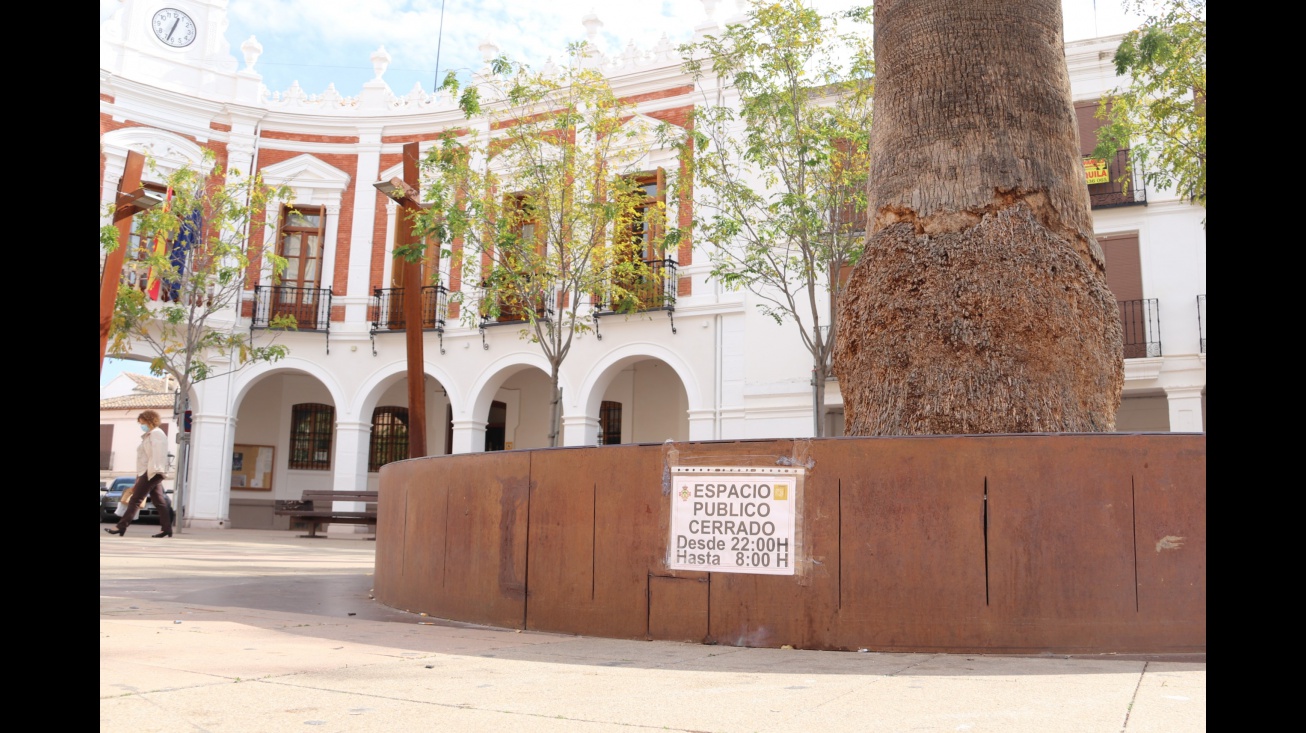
[[173, 27]]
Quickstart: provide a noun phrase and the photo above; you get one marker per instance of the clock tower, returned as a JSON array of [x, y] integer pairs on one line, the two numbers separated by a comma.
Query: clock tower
[[181, 44]]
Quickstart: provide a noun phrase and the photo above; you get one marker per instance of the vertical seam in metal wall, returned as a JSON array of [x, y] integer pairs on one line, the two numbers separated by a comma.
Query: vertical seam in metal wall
[[444, 567], [985, 516], [1133, 518], [594, 531], [526, 551], [403, 539]]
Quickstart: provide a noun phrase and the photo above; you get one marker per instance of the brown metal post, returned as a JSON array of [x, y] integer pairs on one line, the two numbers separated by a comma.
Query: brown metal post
[[413, 312], [122, 216]]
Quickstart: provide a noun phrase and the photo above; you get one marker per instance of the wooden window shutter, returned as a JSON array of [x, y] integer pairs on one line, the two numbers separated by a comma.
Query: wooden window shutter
[[1124, 272], [657, 227], [1086, 117]]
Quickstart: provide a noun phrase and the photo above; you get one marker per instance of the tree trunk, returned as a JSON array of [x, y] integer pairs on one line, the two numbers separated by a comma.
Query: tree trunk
[[555, 408], [818, 399], [980, 304]]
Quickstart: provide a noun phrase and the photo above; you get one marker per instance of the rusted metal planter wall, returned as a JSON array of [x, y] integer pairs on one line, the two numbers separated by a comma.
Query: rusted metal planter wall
[[1018, 544]]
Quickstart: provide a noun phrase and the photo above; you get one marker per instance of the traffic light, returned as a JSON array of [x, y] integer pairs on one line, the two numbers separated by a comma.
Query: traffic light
[[185, 422]]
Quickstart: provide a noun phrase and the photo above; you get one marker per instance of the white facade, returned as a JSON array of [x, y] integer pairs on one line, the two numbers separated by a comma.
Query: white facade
[[725, 372]]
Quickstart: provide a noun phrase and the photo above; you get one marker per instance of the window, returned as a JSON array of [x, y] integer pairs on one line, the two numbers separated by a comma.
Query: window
[[311, 428], [648, 218], [135, 268], [638, 240], [430, 264], [1103, 176], [512, 264], [609, 423], [106, 447], [389, 440], [496, 430], [299, 241]]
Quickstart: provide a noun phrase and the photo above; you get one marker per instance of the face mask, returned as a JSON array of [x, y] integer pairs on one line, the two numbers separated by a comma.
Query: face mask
[[145, 428]]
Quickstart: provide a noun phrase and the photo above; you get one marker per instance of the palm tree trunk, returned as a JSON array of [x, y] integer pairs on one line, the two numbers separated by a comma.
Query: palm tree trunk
[[980, 304]]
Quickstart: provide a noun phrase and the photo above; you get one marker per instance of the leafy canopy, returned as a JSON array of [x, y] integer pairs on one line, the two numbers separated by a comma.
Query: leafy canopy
[[543, 194], [193, 252], [780, 158], [1161, 114]]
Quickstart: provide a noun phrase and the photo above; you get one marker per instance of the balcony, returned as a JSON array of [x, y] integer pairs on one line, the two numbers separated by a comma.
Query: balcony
[[1113, 193], [310, 307], [1201, 321], [1142, 328], [387, 309], [655, 291], [511, 310]]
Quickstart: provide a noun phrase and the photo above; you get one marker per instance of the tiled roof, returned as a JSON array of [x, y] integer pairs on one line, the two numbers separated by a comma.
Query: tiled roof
[[146, 383], [151, 400], [149, 393]]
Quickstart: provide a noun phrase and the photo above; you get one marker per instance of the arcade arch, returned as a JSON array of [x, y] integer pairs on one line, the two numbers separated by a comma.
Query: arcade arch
[[510, 406], [647, 391]]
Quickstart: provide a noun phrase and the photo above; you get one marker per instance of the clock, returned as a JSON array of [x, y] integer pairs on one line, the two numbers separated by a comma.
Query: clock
[[173, 27]]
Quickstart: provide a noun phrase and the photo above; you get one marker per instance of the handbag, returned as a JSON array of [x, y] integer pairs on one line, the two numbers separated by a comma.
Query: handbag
[[123, 501]]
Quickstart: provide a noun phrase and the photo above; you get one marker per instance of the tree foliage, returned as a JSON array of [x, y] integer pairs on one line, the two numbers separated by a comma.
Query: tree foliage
[[184, 278], [780, 159], [544, 202], [1161, 114]]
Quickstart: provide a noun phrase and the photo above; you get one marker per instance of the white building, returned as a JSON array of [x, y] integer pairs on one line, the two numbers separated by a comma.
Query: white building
[[685, 372]]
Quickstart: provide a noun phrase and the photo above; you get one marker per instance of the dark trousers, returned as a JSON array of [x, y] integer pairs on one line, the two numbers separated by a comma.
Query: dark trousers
[[153, 488]]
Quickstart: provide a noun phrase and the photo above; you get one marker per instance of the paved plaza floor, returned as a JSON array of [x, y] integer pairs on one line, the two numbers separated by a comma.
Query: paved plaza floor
[[243, 631]]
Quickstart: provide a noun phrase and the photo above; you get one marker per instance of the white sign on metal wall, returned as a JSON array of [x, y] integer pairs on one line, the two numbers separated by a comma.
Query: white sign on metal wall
[[734, 519]]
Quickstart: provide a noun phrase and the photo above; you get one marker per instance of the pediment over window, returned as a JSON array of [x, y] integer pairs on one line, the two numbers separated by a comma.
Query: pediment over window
[[169, 151], [307, 174]]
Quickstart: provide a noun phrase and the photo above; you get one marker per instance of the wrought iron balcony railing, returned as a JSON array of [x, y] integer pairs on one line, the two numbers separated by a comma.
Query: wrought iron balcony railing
[[652, 292], [1201, 320], [1142, 328], [1113, 193], [656, 291], [387, 311], [388, 308], [511, 310], [309, 307]]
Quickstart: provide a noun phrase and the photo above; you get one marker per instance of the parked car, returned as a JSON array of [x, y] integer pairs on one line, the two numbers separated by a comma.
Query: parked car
[[109, 502]]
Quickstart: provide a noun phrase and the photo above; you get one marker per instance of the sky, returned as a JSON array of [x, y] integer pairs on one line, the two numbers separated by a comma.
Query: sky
[[320, 42]]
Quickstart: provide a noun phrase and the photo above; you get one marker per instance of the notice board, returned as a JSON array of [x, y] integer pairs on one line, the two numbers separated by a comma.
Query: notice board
[[251, 467]]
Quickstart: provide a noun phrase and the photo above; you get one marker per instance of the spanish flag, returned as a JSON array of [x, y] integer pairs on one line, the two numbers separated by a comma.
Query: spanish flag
[[152, 284]]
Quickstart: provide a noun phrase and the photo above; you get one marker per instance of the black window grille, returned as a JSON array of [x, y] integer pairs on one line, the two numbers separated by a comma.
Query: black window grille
[[609, 423], [389, 440], [311, 427]]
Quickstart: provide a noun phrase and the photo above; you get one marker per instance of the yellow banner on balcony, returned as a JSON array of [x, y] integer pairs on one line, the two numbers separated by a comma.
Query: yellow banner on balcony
[[1095, 171]]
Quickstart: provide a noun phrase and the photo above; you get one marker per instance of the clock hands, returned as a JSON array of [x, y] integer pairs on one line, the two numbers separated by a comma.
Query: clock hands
[[172, 30]]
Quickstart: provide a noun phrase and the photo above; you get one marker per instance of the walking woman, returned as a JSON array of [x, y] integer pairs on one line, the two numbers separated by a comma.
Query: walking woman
[[151, 462]]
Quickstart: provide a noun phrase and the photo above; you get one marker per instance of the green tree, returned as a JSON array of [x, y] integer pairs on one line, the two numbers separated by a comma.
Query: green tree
[[780, 153], [1161, 115], [546, 204], [183, 281]]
